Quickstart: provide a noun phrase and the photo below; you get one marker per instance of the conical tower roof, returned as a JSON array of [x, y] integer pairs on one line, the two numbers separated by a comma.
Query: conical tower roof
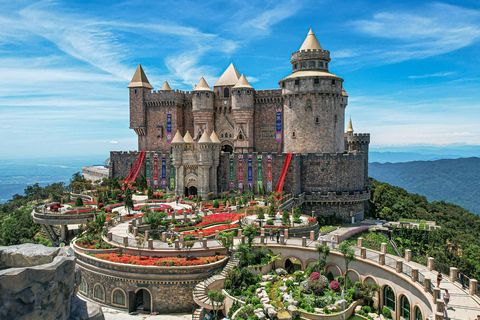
[[166, 86], [178, 138], [310, 42], [205, 138], [214, 137], [350, 127], [188, 138], [202, 86], [344, 93], [229, 77], [139, 79], [242, 83]]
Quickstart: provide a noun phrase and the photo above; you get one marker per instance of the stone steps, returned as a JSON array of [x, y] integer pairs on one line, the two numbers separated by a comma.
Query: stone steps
[[197, 314]]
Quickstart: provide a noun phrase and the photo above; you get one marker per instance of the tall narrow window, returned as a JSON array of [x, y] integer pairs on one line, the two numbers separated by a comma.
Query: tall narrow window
[[333, 82], [309, 105], [98, 292], [297, 82], [320, 64], [317, 120], [293, 135], [226, 93], [118, 297], [312, 63], [316, 81], [303, 65]]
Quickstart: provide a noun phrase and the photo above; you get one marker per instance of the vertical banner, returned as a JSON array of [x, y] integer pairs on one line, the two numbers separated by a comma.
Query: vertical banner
[[164, 171], [240, 172], [269, 173], [169, 126], [172, 174], [278, 126], [232, 174], [147, 168], [155, 171], [250, 173], [259, 174]]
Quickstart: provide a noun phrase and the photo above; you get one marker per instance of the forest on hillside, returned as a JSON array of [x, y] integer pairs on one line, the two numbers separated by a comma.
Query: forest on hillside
[[451, 180]]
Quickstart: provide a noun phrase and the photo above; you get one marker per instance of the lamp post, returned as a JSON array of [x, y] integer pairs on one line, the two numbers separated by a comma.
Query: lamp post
[[343, 303]]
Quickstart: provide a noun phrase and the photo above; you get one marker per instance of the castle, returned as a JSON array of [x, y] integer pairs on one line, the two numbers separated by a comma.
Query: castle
[[235, 138]]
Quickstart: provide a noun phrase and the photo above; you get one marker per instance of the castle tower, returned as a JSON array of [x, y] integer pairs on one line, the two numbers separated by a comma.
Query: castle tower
[[216, 163], [314, 108], [242, 110], [177, 153], [139, 87], [358, 142], [202, 102], [205, 163]]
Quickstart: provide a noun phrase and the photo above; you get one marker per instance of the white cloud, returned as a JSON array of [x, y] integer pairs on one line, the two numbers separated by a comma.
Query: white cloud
[[113, 142], [461, 134], [433, 75], [261, 23]]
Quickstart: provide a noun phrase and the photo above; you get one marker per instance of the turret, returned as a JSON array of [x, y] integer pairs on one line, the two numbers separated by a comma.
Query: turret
[[358, 142], [139, 87], [242, 94], [202, 101], [314, 107]]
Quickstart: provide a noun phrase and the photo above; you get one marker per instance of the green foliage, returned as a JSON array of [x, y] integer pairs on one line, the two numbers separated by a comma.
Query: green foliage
[[154, 219], [249, 232], [387, 313], [271, 211], [366, 309], [215, 204], [286, 218], [17, 227], [270, 222], [78, 202], [150, 193], [260, 213], [297, 212]]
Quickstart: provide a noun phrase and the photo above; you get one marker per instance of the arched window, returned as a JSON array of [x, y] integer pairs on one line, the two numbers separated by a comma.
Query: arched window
[[293, 134], [418, 314], [309, 105], [404, 307], [389, 298], [98, 292], [226, 93], [83, 286], [118, 297]]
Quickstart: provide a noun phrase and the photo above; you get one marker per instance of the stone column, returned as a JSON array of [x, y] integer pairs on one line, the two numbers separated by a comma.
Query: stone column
[[408, 255], [325, 242], [282, 239], [147, 234], [262, 232], [262, 239], [436, 295], [360, 242], [139, 219], [363, 253], [414, 275], [381, 259], [440, 306], [239, 233], [336, 238], [164, 236], [135, 231], [200, 236], [182, 237], [304, 241], [473, 287], [150, 244], [427, 284], [217, 234], [431, 263], [453, 274], [383, 248], [243, 239], [312, 235], [125, 241], [109, 236], [286, 233], [177, 244], [398, 266], [205, 243]]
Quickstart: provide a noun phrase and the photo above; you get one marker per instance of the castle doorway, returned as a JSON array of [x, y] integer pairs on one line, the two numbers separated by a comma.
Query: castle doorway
[[191, 191], [143, 301], [227, 148]]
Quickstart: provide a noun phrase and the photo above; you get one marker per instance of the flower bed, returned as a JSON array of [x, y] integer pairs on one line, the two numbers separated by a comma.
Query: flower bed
[[116, 205], [210, 231], [150, 261], [79, 211], [213, 219]]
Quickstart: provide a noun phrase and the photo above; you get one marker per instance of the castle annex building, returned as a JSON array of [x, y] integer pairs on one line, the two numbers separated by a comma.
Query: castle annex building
[[234, 138]]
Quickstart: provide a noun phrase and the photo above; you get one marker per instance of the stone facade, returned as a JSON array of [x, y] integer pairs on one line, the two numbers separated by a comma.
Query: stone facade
[[243, 120]]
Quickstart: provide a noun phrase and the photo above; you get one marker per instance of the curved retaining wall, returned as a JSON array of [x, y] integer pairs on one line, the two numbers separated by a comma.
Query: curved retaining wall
[[61, 219], [170, 288]]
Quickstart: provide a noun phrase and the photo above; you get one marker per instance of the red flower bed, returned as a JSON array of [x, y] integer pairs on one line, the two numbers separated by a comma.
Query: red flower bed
[[80, 211], [116, 205], [149, 261], [215, 218], [280, 227], [210, 231]]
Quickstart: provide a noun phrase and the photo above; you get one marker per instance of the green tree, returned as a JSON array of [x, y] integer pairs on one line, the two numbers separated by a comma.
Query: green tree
[[286, 218], [260, 213], [150, 193], [226, 238], [128, 200], [271, 211], [78, 202], [216, 298], [215, 204], [348, 256], [249, 232]]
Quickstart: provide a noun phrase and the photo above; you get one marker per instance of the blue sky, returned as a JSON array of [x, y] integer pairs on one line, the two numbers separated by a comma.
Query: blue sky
[[411, 68]]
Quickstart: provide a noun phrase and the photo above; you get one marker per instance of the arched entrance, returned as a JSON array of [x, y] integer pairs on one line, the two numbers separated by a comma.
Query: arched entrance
[[143, 301], [227, 148], [191, 191], [292, 264]]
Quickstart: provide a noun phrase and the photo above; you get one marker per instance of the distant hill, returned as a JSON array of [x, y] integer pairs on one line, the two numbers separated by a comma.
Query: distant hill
[[451, 180]]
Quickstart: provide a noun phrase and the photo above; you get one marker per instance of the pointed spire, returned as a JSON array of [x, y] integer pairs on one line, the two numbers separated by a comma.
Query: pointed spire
[[139, 79], [242, 83], [202, 86], [188, 138], [310, 42], [166, 86], [214, 137], [205, 138], [229, 77], [178, 138], [194, 87], [350, 127], [344, 93]]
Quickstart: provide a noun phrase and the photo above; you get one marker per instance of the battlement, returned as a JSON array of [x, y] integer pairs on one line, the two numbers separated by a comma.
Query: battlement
[[358, 137], [268, 93], [123, 152], [311, 54], [308, 156], [356, 196]]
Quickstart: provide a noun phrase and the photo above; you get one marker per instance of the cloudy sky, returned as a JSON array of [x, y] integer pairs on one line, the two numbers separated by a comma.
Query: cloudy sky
[[411, 69]]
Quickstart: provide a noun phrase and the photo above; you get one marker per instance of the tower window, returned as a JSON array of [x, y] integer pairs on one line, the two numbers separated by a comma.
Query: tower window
[[206, 94], [293, 135], [283, 84], [309, 105], [135, 91], [317, 120], [316, 81], [226, 93], [297, 82], [295, 66], [248, 91], [336, 119], [320, 64], [303, 64], [333, 82], [312, 63]]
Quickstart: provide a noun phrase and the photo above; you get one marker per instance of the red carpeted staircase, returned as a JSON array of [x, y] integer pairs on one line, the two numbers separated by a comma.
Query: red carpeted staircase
[[135, 169], [279, 186]]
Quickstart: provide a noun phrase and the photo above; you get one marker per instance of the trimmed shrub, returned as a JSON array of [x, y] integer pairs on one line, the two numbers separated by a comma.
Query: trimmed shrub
[[367, 309], [387, 313]]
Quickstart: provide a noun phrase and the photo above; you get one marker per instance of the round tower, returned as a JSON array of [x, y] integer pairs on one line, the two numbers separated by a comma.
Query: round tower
[[202, 103], [314, 108], [242, 111]]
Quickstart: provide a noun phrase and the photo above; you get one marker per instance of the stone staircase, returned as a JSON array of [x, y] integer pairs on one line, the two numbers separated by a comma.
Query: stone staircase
[[197, 314], [200, 292]]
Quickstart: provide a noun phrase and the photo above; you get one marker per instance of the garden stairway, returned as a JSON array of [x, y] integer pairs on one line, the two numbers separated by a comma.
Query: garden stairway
[[200, 292]]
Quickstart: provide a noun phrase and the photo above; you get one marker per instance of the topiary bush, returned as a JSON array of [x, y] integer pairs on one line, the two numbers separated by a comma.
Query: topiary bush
[[366, 309], [270, 222], [387, 313]]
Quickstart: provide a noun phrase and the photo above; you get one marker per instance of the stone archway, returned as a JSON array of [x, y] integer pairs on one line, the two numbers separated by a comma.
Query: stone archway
[[143, 301], [292, 264], [227, 147]]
